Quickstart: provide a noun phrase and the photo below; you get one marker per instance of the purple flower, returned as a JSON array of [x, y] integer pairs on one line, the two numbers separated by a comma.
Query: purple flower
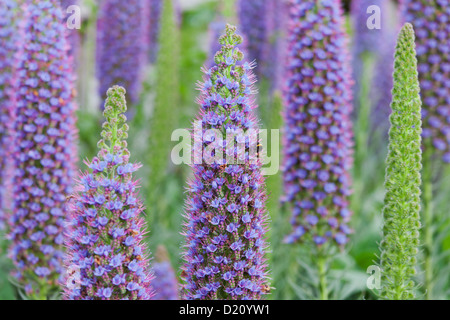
[[431, 22], [219, 242], [122, 45], [43, 165], [165, 282], [318, 131], [98, 232], [8, 49]]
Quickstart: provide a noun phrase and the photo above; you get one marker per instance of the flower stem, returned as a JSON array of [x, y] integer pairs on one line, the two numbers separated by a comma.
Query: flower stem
[[321, 264], [362, 130]]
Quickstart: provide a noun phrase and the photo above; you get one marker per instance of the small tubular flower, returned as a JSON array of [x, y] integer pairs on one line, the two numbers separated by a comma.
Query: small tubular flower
[[226, 219], [318, 132], [401, 210], [106, 251], [44, 153]]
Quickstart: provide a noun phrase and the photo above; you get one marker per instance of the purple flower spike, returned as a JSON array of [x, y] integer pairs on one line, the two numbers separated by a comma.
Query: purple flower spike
[[318, 131], [274, 50], [122, 45], [155, 15], [8, 55], [431, 22], [106, 255], [366, 39], [226, 220], [44, 149], [73, 35], [165, 282], [252, 19], [380, 45]]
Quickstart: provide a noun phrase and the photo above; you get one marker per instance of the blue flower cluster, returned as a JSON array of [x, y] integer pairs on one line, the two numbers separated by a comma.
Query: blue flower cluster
[[8, 48], [318, 131], [252, 22], [44, 156], [122, 29], [431, 22], [225, 219], [105, 247]]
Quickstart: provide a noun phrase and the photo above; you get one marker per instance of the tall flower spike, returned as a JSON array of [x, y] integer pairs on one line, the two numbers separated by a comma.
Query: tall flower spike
[[365, 39], [165, 282], [166, 97], [402, 200], [73, 35], [374, 49], [253, 25], [318, 131], [122, 45], [274, 44], [106, 252], [431, 20], [44, 150], [226, 220], [8, 48], [155, 16]]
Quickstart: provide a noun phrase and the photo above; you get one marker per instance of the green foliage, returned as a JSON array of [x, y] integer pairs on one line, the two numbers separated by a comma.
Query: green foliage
[[166, 112], [399, 246], [166, 227], [274, 182]]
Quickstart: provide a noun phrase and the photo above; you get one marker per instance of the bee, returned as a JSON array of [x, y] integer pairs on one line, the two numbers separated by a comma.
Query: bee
[[183, 274], [265, 289], [97, 260], [71, 272], [209, 216], [139, 258], [134, 232]]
